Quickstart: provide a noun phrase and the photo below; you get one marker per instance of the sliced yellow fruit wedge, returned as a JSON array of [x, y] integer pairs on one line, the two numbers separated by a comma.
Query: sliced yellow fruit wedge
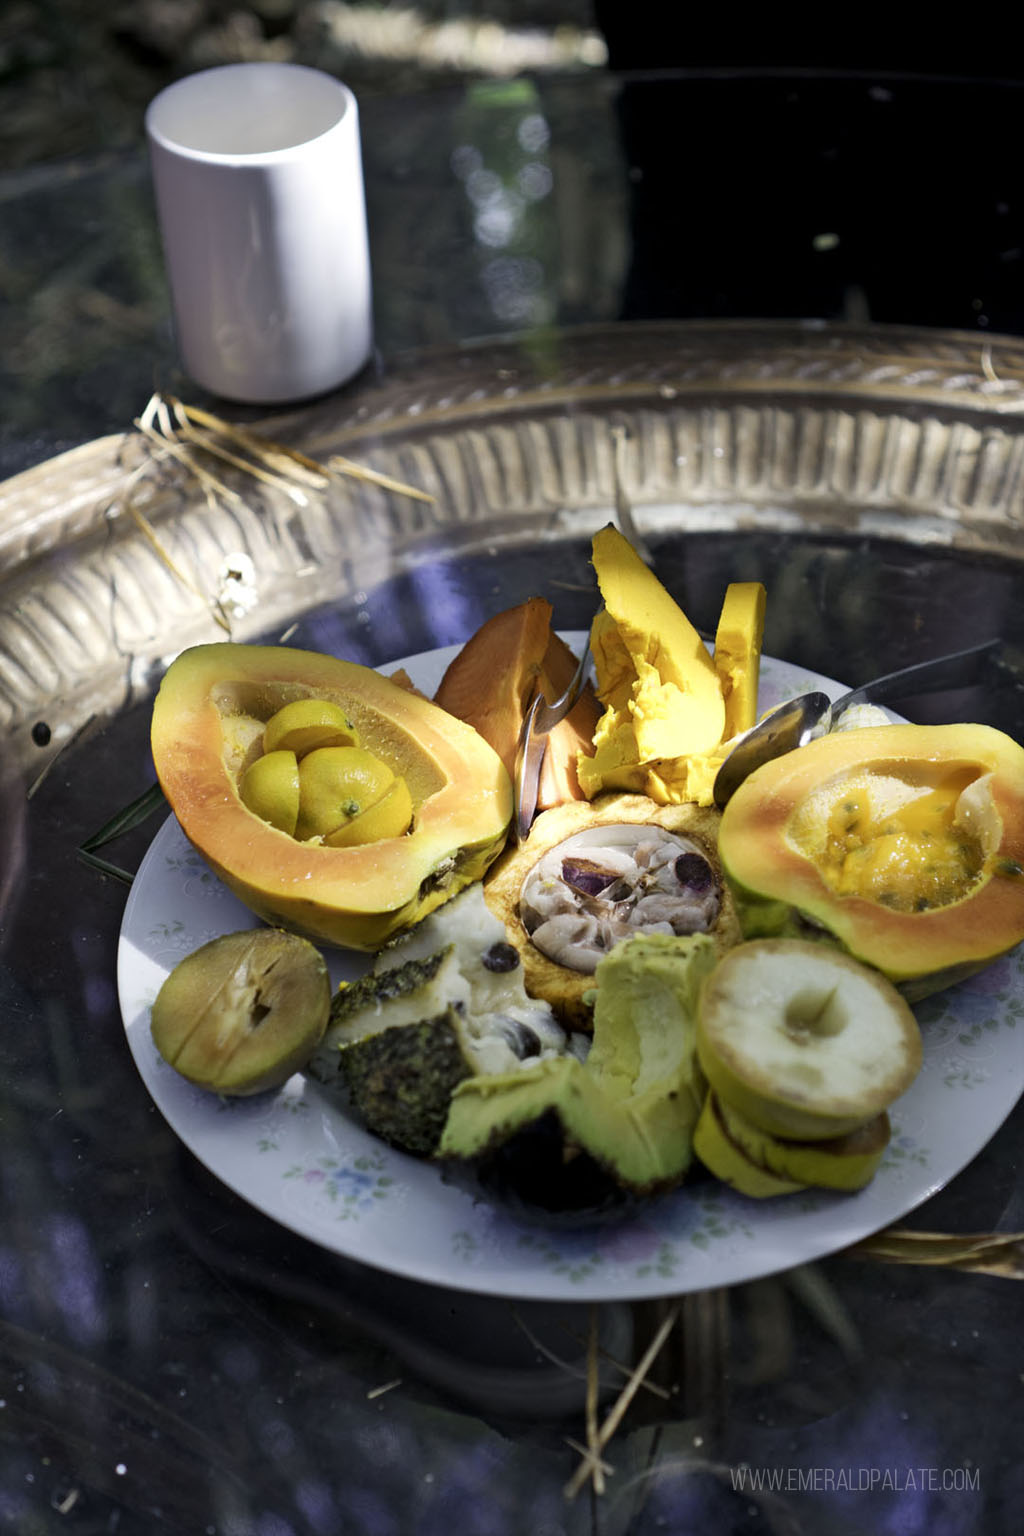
[[336, 784], [390, 816], [270, 789], [307, 724]]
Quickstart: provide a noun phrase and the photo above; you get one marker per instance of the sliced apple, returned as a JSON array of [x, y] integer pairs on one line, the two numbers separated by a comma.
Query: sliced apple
[[834, 1162], [804, 1041], [728, 1161]]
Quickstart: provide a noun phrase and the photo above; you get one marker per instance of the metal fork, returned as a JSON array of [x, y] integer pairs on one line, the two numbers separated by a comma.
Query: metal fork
[[541, 717]]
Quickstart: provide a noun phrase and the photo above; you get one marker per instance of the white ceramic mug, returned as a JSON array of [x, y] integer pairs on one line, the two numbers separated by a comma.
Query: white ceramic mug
[[259, 192]]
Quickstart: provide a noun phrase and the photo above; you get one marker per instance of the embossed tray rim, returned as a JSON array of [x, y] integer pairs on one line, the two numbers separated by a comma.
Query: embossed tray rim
[[845, 430]]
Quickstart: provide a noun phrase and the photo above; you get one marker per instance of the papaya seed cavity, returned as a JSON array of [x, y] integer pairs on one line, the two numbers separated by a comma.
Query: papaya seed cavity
[[315, 781]]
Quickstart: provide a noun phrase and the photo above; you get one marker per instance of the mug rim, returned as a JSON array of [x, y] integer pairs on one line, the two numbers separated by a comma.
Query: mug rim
[[200, 80]]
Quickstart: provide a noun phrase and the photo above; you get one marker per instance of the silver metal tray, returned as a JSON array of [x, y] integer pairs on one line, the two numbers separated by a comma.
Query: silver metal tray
[[111, 558]]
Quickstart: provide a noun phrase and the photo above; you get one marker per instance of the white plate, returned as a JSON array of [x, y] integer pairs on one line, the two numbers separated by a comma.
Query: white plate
[[297, 1157]]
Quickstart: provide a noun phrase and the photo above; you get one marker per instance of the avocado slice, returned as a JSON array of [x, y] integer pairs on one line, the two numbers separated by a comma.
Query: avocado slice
[[631, 1106]]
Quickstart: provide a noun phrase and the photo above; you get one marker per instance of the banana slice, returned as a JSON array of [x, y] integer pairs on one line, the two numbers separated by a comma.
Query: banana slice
[[802, 1040]]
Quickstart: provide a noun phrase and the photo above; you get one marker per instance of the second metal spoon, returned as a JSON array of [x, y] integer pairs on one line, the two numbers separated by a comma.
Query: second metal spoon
[[800, 720]]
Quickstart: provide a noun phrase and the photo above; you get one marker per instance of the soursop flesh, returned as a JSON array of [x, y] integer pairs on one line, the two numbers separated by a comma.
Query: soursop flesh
[[443, 1004]]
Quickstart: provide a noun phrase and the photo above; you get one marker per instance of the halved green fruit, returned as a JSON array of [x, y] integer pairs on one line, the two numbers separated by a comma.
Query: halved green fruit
[[241, 1014]]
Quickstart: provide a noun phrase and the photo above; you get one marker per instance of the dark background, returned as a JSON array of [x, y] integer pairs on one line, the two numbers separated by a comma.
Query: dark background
[[703, 166], [866, 171]]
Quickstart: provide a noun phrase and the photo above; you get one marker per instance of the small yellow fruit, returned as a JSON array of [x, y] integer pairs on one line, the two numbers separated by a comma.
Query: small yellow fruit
[[337, 784], [390, 816], [306, 724], [270, 789]]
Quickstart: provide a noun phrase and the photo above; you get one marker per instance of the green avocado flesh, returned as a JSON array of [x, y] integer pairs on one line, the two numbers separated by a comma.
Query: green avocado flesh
[[633, 1103], [441, 1052]]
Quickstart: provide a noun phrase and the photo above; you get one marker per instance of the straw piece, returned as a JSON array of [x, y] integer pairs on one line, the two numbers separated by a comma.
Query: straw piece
[[269, 477], [622, 1402], [262, 448], [572, 1370], [298, 464], [171, 446], [983, 1253], [386, 1386], [345, 466], [592, 1463], [593, 1381]]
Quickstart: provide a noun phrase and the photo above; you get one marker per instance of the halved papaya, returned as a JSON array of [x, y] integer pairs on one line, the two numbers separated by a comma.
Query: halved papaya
[[904, 843], [207, 729]]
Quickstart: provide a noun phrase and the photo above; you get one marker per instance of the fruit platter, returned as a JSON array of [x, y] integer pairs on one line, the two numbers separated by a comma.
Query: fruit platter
[[651, 1046]]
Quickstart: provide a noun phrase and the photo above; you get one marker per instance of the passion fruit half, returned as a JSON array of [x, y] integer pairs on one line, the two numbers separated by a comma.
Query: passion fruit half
[[593, 874]]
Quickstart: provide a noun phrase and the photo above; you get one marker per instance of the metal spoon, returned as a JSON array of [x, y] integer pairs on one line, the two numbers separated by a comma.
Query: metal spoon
[[800, 720]]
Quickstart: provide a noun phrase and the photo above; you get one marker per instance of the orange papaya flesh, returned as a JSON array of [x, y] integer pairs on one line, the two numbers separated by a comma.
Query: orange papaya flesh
[[927, 887], [493, 680], [490, 682], [205, 732]]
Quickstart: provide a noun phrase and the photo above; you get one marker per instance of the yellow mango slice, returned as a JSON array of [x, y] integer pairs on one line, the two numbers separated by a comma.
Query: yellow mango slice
[[665, 713], [676, 700], [738, 641]]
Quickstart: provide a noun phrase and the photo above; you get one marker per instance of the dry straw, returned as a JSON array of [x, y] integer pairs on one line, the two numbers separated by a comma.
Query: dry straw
[[205, 445]]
